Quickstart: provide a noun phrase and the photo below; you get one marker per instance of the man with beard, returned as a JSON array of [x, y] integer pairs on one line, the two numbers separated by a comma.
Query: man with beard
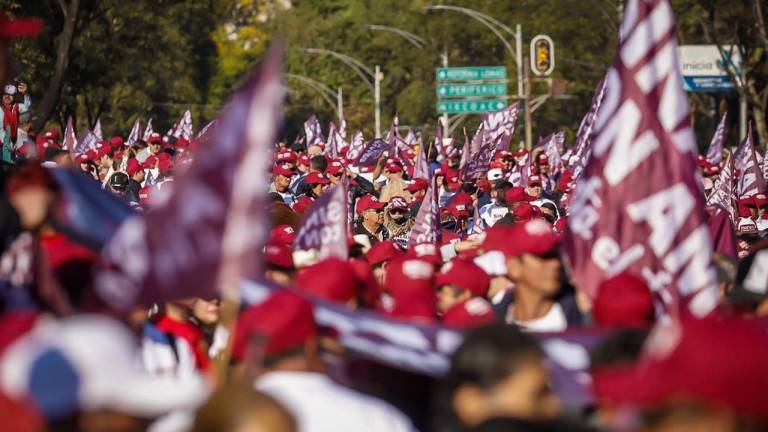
[[397, 222]]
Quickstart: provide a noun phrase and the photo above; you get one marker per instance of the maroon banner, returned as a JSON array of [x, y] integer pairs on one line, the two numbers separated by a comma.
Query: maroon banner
[[210, 231], [97, 130], [86, 142], [324, 226], [499, 126], [749, 175], [70, 140], [148, 130], [331, 144], [723, 231], [133, 136], [638, 207], [356, 147], [553, 147], [426, 228], [313, 131], [421, 167], [583, 146], [723, 191], [715, 151], [372, 152]]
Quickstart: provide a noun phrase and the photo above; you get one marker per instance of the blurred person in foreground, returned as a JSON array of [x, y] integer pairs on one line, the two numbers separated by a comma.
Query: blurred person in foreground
[[240, 408]]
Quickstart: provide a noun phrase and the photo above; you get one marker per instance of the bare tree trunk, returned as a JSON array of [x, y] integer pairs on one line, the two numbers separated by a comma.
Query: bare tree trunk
[[52, 94], [760, 126]]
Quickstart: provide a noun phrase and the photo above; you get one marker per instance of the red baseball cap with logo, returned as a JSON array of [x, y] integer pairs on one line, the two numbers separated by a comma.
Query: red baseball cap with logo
[[517, 194], [368, 202], [286, 156], [302, 204], [394, 167], [331, 279], [427, 252], [316, 178], [285, 321], [474, 312], [133, 167], [154, 138], [280, 169], [383, 251], [278, 254], [418, 185], [525, 212], [624, 300], [534, 180], [335, 168], [458, 210], [463, 273], [284, 234], [303, 160], [716, 361], [409, 282], [397, 202], [761, 200], [534, 237], [543, 159]]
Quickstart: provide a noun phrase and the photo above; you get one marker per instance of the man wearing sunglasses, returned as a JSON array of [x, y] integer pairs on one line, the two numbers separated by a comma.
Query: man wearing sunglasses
[[370, 219], [396, 220], [539, 304]]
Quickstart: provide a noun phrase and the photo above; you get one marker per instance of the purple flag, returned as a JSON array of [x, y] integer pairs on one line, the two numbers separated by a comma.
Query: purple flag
[[723, 231], [421, 167], [97, 130], [583, 146], [499, 126], [184, 128], [477, 166], [343, 129], [715, 152], [372, 152], [553, 148], [70, 140], [209, 233], [723, 191], [749, 176], [331, 145], [86, 142], [134, 135], [477, 141], [465, 151], [313, 131], [324, 226], [147, 130], [638, 207], [426, 228], [356, 147], [438, 144]]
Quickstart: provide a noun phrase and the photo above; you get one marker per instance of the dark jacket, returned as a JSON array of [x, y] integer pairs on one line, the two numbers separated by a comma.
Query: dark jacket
[[360, 229]]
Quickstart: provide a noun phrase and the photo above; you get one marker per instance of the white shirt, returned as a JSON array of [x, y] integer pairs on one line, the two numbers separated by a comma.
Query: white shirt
[[553, 321], [320, 405]]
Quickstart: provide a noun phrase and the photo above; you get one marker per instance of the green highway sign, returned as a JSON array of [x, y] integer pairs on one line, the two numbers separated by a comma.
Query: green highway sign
[[462, 90], [471, 73], [470, 106]]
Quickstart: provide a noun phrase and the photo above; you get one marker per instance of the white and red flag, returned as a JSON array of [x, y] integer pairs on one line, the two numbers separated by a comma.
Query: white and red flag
[[715, 151], [97, 130], [324, 226], [134, 135], [749, 173], [639, 207]]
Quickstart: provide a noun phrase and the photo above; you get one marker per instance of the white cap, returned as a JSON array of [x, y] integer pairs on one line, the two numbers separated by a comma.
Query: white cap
[[10, 89], [495, 174]]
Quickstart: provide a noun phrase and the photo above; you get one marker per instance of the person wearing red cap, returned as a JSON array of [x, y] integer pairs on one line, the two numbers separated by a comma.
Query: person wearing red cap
[[331, 279], [370, 220], [301, 204], [409, 282], [494, 211], [538, 303], [394, 184], [469, 314], [278, 260], [10, 112], [316, 164], [417, 188], [379, 255], [624, 301], [281, 182], [278, 340], [458, 281], [315, 183], [396, 220]]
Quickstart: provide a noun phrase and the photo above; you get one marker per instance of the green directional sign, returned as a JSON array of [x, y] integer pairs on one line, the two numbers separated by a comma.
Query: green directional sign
[[470, 106], [463, 90], [471, 73]]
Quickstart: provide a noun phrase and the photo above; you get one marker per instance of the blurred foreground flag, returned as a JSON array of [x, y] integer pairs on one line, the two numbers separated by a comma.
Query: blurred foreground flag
[[639, 207], [209, 232]]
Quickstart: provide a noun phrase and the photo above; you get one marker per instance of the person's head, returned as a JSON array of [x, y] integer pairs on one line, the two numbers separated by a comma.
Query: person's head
[[318, 164], [334, 172], [240, 408], [379, 255], [9, 94], [155, 143], [118, 183], [548, 211], [282, 177], [317, 183], [530, 250], [393, 170], [499, 191], [33, 192], [458, 281], [278, 260], [371, 211], [205, 311], [534, 186], [418, 188], [498, 371], [397, 209], [135, 171]]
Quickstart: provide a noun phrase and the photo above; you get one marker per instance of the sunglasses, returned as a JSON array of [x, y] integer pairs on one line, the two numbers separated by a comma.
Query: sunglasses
[[397, 211]]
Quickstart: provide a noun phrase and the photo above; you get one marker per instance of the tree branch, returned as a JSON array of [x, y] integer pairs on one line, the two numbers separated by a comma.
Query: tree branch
[[64, 8], [760, 23]]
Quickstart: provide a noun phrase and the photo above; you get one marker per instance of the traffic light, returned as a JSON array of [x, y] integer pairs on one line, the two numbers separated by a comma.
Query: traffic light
[[542, 55]]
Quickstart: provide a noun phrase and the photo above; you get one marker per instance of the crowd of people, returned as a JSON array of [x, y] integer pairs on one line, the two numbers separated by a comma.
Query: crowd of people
[[492, 278]]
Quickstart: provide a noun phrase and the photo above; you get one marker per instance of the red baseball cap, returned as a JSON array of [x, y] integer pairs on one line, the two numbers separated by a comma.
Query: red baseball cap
[[331, 279], [285, 320], [116, 142], [165, 166], [418, 185], [368, 202], [761, 200], [19, 28], [303, 160], [409, 282], [281, 169], [278, 254], [302, 204], [521, 152], [335, 168], [397, 202], [316, 178], [427, 252], [534, 237], [543, 159], [474, 312], [284, 234], [150, 162], [525, 212], [144, 195], [155, 138], [382, 251], [463, 273], [458, 210], [517, 194], [534, 180], [721, 362], [286, 156], [624, 300], [394, 167], [133, 167]]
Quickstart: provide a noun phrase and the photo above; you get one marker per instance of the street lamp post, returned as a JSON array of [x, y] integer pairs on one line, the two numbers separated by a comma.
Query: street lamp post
[[325, 92]]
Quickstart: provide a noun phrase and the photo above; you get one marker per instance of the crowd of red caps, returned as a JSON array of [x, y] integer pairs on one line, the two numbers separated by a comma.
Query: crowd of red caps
[[495, 276]]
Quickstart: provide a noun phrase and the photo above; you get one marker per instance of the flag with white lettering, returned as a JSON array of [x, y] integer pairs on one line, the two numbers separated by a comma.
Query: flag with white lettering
[[324, 226], [147, 130], [715, 151], [465, 151], [723, 191], [209, 233], [372, 153], [477, 141], [134, 135], [426, 228], [313, 131], [499, 126], [97, 130], [86, 142], [356, 147], [749, 175], [638, 207], [70, 139], [331, 145], [583, 146], [553, 147], [184, 128]]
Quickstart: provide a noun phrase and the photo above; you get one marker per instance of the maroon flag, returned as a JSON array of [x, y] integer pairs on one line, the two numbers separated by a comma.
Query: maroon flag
[[97, 130], [421, 167], [438, 144], [184, 128], [477, 141], [715, 152], [134, 135], [324, 226], [86, 142], [356, 147], [147, 130], [499, 126], [553, 148], [749, 176], [723, 231], [331, 144], [583, 146], [313, 131], [638, 207], [723, 191], [372, 152], [343, 129], [70, 140], [209, 233], [392, 137], [426, 227], [465, 151]]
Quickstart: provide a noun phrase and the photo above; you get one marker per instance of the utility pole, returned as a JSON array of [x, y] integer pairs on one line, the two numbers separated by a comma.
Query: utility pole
[[527, 99], [340, 105], [519, 61], [446, 121], [377, 98]]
